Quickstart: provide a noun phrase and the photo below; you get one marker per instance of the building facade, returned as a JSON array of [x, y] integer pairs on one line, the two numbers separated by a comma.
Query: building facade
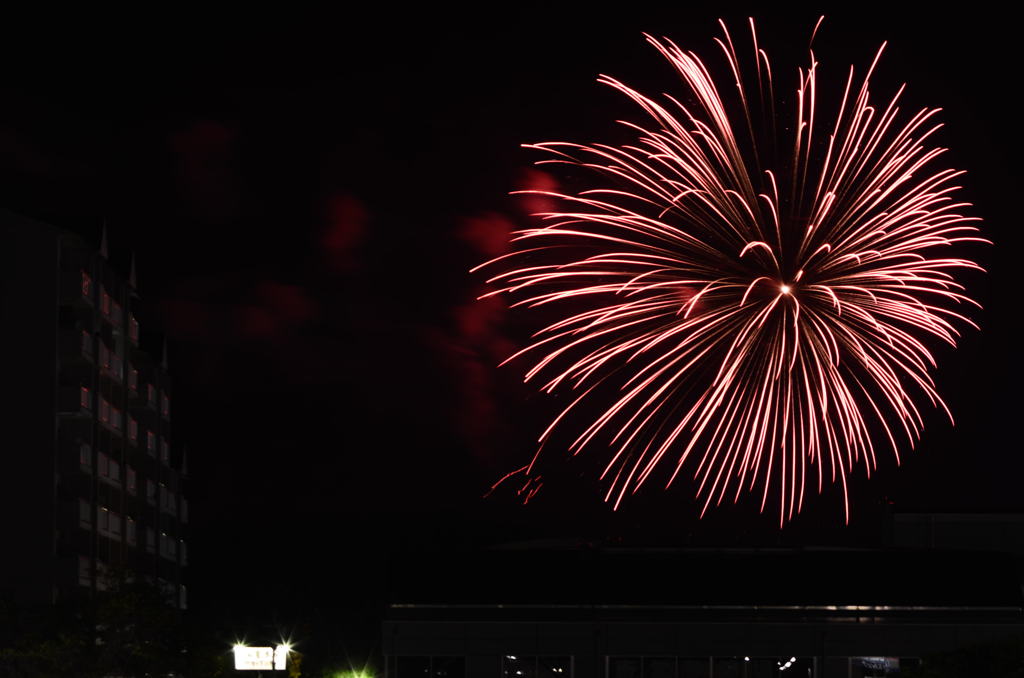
[[92, 491], [612, 612]]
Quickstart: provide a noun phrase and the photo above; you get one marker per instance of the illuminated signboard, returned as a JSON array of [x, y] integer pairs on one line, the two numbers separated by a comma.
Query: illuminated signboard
[[260, 658]]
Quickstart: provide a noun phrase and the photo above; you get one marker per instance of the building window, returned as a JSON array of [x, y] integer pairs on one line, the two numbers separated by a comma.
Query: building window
[[151, 492], [182, 599], [85, 398], [151, 394], [168, 547], [85, 456], [117, 367], [431, 667], [84, 571], [133, 328], [699, 667], [84, 513], [165, 451], [150, 540], [104, 301], [104, 355], [110, 523], [115, 313], [133, 378], [516, 666], [133, 429], [104, 464], [115, 418], [131, 480], [167, 500], [870, 667], [129, 530], [86, 344], [115, 471], [165, 404], [104, 410], [86, 285], [183, 548], [184, 510], [151, 443], [653, 667]]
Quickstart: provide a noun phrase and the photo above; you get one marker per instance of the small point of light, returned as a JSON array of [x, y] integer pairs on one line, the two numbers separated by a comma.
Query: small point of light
[[792, 659], [785, 289], [746, 659]]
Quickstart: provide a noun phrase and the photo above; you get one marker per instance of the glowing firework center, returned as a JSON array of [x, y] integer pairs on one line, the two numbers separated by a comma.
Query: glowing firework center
[[261, 658]]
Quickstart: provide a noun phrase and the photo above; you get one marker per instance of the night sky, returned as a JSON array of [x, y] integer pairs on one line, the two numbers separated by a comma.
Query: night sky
[[305, 194]]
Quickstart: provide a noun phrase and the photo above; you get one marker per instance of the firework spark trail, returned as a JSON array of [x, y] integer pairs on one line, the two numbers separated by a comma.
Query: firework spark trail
[[759, 314]]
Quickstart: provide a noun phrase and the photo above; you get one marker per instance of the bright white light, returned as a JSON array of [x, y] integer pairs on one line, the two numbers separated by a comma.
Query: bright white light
[[746, 659], [785, 289], [792, 659], [281, 657], [254, 658]]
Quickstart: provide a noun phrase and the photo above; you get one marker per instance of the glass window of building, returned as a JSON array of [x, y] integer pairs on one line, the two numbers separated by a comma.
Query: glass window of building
[[431, 667], [532, 666], [625, 667], [84, 513], [694, 667], [84, 570], [85, 456]]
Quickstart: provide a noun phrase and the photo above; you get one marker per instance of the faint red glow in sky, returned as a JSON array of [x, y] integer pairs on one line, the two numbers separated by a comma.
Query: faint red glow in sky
[[345, 228]]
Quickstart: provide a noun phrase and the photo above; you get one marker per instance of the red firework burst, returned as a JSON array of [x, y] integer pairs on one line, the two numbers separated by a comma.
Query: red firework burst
[[747, 305]]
